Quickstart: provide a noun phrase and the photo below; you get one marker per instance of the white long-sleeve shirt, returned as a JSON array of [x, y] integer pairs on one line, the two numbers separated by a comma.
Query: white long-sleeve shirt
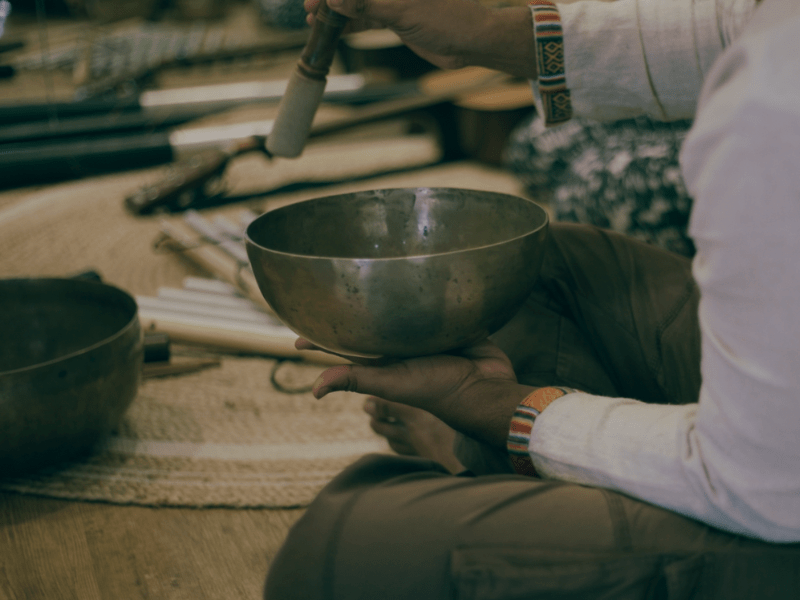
[[733, 459], [631, 57]]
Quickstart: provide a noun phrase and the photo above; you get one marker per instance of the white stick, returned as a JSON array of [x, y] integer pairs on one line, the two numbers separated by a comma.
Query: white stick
[[211, 286], [203, 310], [221, 323], [207, 299], [207, 230], [246, 217], [229, 229]]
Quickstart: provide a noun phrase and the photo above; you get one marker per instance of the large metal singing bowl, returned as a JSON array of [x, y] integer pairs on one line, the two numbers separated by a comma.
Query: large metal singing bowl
[[398, 272], [70, 362]]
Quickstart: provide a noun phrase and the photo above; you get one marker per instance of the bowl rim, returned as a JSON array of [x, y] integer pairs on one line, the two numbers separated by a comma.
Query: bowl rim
[[250, 242], [132, 322]]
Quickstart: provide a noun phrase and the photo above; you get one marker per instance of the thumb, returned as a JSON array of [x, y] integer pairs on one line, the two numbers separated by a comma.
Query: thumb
[[331, 380], [372, 380]]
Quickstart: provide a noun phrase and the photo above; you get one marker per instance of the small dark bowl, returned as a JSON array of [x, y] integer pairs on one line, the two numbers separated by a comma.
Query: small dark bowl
[[70, 363]]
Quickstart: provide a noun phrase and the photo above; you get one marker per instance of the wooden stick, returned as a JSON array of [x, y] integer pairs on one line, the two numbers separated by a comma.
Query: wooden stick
[[164, 369]]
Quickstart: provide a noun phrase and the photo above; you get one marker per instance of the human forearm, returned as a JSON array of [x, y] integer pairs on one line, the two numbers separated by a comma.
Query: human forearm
[[450, 33], [506, 43], [485, 412]]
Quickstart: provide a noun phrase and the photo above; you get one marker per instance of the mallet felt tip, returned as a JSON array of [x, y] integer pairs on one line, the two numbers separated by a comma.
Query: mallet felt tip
[[306, 85]]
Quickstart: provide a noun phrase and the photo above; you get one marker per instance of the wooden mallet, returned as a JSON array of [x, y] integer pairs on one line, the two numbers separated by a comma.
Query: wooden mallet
[[306, 85]]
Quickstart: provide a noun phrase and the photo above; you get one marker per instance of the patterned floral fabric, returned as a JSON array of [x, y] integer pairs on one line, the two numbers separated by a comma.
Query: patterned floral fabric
[[623, 176]]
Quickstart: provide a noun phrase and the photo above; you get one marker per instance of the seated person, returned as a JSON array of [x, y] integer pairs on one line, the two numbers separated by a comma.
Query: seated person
[[632, 431]]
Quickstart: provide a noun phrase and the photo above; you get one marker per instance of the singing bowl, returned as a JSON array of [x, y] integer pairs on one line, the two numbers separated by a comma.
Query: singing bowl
[[70, 362], [398, 272]]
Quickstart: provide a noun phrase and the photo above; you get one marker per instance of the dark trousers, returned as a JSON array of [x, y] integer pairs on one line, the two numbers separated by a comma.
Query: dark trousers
[[610, 316]]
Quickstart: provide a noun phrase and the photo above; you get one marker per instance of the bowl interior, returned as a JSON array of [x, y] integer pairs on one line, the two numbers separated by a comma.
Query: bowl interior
[[396, 223], [49, 319]]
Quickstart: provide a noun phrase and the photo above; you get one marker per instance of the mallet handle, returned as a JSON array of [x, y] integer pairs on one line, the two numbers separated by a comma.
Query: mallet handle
[[317, 56], [306, 85]]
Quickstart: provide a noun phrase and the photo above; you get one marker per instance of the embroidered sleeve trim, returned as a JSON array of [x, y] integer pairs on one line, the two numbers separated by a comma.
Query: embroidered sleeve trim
[[549, 38]]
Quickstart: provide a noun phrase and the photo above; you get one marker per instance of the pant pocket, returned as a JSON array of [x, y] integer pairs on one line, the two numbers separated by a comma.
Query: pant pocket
[[503, 573], [768, 573]]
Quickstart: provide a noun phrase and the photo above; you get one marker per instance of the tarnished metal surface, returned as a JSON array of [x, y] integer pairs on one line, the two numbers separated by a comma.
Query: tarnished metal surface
[[70, 362], [399, 272]]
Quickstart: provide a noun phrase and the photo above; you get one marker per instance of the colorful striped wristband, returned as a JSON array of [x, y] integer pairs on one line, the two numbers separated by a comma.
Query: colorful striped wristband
[[549, 38], [519, 434]]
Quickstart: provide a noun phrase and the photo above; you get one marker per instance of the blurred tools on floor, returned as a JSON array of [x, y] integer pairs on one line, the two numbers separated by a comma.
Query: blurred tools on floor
[[106, 76], [115, 141], [123, 57], [209, 246], [158, 109], [472, 109], [106, 125], [159, 360], [211, 315], [129, 127], [228, 312], [7, 71], [5, 10]]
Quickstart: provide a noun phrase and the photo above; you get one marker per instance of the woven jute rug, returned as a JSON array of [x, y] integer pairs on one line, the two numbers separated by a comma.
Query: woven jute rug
[[221, 437]]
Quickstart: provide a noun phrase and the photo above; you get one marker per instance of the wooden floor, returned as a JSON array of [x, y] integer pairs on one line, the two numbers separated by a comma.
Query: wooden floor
[[60, 550]]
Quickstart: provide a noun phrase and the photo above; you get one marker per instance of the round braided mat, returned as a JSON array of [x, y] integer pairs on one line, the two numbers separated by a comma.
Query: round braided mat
[[220, 437]]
